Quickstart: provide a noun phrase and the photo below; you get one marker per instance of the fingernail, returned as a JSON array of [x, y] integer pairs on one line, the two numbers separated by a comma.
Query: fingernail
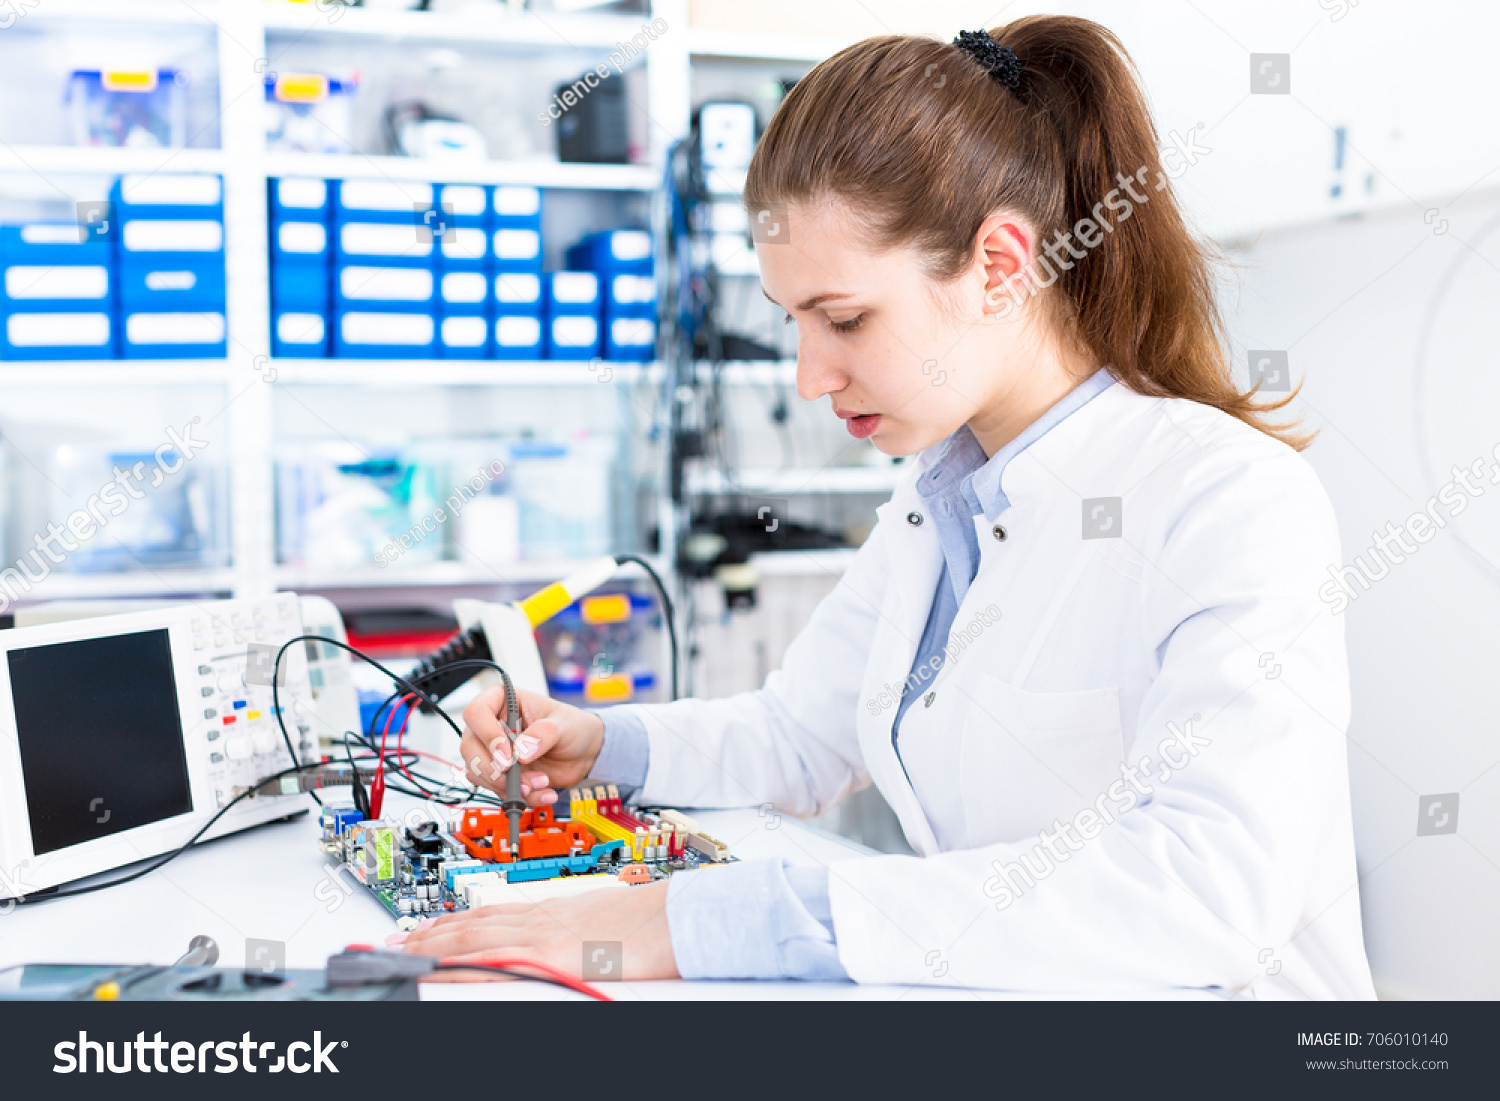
[[500, 762], [526, 747], [548, 797], [396, 940]]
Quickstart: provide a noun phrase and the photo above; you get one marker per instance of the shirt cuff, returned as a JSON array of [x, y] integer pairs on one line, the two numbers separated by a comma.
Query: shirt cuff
[[753, 919], [626, 753]]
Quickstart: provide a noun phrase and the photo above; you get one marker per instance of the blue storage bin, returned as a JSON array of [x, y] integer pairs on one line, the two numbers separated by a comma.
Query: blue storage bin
[[464, 292], [384, 334], [571, 292], [54, 243], [465, 248], [50, 288], [613, 250], [372, 287], [305, 286], [171, 196], [183, 334], [300, 198], [517, 206], [300, 239], [383, 243], [630, 338], [147, 285], [53, 335], [629, 294], [516, 249], [518, 336], [394, 202], [517, 292], [299, 333], [464, 336], [465, 204], [572, 336], [172, 241]]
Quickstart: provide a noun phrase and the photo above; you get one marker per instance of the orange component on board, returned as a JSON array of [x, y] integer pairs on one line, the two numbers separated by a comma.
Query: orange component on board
[[485, 834]]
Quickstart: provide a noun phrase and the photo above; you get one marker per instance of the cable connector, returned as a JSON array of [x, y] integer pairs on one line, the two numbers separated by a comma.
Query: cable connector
[[311, 779], [366, 967]]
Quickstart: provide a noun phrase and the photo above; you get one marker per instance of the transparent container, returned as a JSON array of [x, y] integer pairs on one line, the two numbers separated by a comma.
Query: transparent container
[[339, 506], [309, 113], [142, 109], [564, 493]]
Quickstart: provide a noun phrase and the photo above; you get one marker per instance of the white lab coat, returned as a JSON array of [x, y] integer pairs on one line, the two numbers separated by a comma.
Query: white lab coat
[[1194, 639]]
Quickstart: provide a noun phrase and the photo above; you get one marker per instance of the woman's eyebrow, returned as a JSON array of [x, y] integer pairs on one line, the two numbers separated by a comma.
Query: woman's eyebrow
[[811, 303]]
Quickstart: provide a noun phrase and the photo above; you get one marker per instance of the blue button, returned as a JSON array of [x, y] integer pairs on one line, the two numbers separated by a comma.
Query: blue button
[[239, 705]]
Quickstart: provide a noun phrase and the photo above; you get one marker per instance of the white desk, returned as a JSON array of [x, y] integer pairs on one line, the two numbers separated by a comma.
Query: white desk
[[272, 883]]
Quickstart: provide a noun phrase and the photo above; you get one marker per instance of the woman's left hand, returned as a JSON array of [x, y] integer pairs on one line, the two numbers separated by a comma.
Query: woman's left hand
[[554, 931]]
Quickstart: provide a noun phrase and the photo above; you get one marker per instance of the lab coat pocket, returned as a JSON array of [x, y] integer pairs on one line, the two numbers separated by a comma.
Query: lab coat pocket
[[1028, 758]]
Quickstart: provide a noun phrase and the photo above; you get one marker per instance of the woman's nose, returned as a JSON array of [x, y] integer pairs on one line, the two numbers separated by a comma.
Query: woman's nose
[[817, 374]]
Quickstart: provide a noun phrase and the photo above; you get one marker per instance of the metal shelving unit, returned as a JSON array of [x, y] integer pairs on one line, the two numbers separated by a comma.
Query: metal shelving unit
[[249, 34]]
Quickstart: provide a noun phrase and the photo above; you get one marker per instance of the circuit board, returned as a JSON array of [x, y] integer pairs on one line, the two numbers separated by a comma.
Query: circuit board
[[586, 841]]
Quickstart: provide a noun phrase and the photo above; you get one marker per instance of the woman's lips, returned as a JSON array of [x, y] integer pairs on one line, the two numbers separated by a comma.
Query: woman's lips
[[862, 427]]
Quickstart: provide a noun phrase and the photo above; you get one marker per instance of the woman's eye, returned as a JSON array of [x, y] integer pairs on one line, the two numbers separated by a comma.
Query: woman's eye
[[838, 326]]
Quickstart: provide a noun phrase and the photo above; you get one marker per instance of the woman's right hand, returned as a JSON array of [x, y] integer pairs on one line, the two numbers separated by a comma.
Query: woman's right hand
[[557, 748]]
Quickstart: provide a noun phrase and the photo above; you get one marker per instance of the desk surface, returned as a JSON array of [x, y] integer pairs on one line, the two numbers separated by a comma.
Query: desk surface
[[273, 884]]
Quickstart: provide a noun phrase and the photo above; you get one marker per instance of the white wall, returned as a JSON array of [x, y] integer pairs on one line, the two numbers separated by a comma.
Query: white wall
[[1351, 301]]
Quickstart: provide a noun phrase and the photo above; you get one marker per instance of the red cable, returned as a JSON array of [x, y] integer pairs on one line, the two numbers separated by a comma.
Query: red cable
[[377, 782], [561, 977], [400, 735]]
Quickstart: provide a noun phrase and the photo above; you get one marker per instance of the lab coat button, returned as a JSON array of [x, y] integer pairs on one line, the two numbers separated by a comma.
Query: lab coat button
[[998, 532], [914, 518]]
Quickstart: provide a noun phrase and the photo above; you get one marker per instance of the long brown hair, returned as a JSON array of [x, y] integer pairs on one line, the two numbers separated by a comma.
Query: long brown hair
[[921, 144]]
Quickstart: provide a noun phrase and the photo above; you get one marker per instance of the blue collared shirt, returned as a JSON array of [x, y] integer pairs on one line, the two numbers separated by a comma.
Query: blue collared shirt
[[763, 919]]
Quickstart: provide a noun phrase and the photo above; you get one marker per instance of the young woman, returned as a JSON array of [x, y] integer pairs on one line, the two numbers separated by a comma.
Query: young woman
[[1082, 655]]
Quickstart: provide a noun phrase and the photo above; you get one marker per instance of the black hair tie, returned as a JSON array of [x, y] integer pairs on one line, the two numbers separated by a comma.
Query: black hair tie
[[1000, 61]]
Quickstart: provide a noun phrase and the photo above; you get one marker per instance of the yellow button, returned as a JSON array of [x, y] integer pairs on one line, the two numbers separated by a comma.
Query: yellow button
[[252, 716], [107, 992]]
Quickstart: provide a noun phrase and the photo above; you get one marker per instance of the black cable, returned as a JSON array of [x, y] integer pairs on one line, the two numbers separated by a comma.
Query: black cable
[[512, 705], [512, 710], [669, 613], [50, 893], [276, 689]]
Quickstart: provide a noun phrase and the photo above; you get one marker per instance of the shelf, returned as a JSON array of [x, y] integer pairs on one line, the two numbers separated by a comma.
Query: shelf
[[538, 173], [195, 14], [807, 563], [779, 372], [762, 47], [454, 372], [100, 160], [163, 582], [114, 372], [485, 27], [435, 574], [786, 483]]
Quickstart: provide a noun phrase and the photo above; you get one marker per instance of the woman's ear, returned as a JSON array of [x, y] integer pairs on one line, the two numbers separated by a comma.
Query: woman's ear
[[1004, 247]]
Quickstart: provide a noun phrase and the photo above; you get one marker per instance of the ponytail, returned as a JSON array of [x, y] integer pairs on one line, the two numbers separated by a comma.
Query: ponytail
[[920, 142]]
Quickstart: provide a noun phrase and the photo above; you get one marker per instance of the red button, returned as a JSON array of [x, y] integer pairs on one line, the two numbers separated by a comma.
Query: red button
[[228, 719]]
